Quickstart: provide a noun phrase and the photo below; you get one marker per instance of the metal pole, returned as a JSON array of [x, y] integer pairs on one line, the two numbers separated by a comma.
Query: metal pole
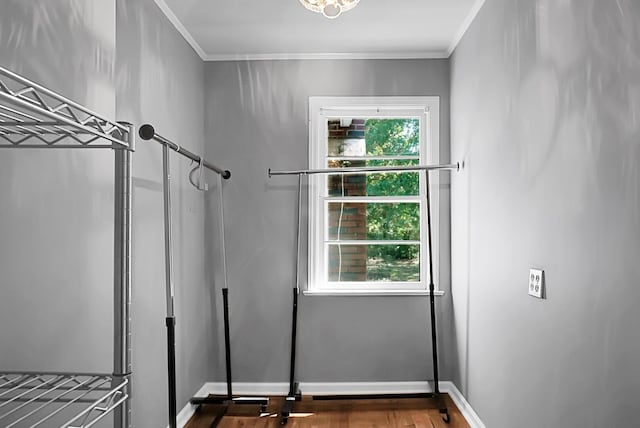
[[147, 132], [357, 170], [169, 291], [122, 277], [299, 233], [222, 232], [168, 256], [171, 370], [432, 306], [294, 324], [225, 291], [296, 292], [227, 342], [293, 393], [434, 345]]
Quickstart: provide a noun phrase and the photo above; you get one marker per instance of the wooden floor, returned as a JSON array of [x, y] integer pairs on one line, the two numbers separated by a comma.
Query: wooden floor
[[379, 413]]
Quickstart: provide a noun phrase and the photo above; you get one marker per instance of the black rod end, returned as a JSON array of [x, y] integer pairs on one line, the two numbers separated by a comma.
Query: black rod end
[[226, 174], [146, 132]]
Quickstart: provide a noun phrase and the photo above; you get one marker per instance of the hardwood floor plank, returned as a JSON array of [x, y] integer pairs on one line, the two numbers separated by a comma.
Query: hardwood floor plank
[[309, 413]]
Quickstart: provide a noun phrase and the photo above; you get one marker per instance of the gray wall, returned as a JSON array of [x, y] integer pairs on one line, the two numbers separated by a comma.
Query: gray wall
[[57, 206], [545, 113], [160, 80], [256, 119], [56, 229], [56, 233]]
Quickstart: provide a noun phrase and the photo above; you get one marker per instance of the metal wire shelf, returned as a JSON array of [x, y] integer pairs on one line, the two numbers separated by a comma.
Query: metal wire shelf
[[34, 116], [65, 400]]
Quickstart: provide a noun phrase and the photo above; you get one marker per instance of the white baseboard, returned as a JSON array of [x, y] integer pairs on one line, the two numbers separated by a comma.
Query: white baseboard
[[247, 388], [184, 415], [334, 388], [188, 410], [462, 404]]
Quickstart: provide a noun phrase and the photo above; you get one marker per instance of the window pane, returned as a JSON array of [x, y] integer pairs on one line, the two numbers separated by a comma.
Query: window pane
[[373, 137], [374, 221], [374, 263], [373, 184], [392, 137]]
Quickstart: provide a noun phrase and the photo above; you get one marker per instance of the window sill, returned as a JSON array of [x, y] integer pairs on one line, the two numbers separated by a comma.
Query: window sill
[[371, 293]]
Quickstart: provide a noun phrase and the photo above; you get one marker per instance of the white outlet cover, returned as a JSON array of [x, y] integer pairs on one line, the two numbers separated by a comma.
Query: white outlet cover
[[536, 283]]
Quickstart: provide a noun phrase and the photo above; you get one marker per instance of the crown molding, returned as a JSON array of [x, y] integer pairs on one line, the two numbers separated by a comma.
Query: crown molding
[[180, 27], [320, 56], [464, 27]]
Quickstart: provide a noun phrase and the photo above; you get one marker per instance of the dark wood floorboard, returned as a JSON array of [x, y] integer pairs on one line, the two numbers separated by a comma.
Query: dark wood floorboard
[[379, 413]]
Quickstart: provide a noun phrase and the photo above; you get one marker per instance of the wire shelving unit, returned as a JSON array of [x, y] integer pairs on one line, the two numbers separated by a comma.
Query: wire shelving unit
[[34, 117]]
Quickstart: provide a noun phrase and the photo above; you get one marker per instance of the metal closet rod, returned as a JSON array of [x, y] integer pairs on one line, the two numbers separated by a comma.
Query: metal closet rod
[[452, 166], [147, 132]]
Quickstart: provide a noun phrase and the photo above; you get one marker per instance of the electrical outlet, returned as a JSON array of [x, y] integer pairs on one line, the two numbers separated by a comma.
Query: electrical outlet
[[536, 283]]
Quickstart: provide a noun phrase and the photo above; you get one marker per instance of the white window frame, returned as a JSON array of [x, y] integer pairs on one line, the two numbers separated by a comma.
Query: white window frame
[[321, 109]]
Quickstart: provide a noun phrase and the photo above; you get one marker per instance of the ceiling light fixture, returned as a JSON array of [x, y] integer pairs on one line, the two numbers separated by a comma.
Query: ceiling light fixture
[[330, 8]]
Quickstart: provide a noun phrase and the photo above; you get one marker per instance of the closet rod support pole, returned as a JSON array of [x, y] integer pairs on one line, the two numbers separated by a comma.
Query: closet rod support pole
[[122, 276], [171, 368], [147, 132], [169, 290], [168, 245]]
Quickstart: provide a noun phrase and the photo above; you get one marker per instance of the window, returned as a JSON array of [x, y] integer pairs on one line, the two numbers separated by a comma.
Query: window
[[367, 230]]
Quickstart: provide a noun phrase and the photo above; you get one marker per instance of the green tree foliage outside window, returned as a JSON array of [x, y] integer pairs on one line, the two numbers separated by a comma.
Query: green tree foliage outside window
[[392, 137]]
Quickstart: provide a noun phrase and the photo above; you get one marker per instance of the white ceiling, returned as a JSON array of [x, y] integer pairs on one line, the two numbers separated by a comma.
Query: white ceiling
[[284, 29]]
